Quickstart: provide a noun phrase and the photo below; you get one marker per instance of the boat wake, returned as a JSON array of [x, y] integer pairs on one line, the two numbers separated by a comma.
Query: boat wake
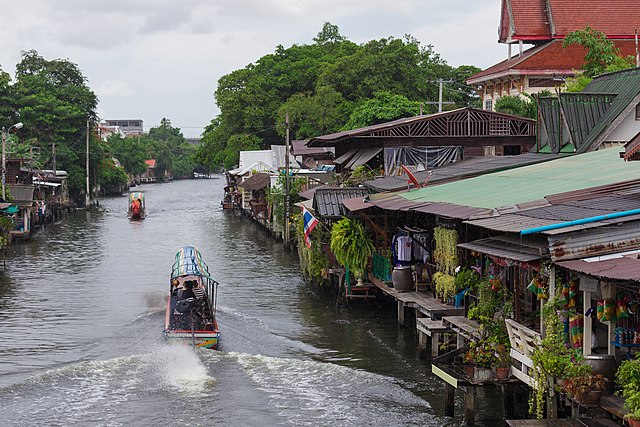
[[182, 370]]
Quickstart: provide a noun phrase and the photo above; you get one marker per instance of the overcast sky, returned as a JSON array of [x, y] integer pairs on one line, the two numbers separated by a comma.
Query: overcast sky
[[149, 59]]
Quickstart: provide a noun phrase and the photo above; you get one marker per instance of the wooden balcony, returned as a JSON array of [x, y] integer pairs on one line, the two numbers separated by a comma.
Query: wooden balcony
[[523, 342]]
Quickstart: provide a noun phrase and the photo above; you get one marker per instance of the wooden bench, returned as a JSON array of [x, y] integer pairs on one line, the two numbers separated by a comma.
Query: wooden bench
[[431, 328]]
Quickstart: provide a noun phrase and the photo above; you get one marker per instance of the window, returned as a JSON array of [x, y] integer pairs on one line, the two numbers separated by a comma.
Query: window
[[488, 105]]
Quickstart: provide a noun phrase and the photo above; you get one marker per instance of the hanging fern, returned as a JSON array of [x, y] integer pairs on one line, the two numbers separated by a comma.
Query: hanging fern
[[351, 245], [446, 250]]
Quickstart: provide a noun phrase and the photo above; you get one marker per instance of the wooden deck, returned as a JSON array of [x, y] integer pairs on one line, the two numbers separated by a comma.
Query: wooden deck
[[470, 329], [421, 301]]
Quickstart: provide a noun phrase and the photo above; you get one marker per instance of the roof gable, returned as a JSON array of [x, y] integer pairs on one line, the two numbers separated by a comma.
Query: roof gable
[[617, 18]]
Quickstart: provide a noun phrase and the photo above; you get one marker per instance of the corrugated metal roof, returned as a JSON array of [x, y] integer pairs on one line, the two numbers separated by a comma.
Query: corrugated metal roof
[[595, 241], [357, 203], [506, 247], [533, 182], [362, 157], [466, 168], [248, 158], [621, 267], [589, 115], [257, 181], [451, 211], [327, 202], [299, 148]]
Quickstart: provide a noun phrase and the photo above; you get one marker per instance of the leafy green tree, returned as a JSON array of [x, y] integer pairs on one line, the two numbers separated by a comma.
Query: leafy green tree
[[517, 106], [130, 152], [112, 178], [236, 144], [52, 99], [313, 115], [601, 52], [382, 108]]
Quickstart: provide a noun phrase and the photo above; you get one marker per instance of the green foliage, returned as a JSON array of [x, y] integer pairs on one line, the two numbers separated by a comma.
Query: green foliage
[[552, 359], [313, 114], [445, 285], [351, 245], [6, 225], [130, 152], [277, 196], [319, 85], [601, 52], [383, 107], [446, 250], [517, 106], [359, 175], [466, 278], [578, 83], [112, 177], [51, 98], [314, 261], [628, 378]]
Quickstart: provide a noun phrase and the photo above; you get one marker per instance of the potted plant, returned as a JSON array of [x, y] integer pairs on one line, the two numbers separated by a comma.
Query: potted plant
[[482, 355], [503, 361], [352, 246], [628, 378], [586, 389]]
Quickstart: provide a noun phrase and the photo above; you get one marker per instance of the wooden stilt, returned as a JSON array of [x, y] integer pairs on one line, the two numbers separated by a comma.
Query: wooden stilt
[[449, 403], [401, 312], [435, 344], [470, 406]]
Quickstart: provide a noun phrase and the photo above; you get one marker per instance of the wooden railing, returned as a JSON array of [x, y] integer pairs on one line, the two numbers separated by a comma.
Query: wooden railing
[[523, 343]]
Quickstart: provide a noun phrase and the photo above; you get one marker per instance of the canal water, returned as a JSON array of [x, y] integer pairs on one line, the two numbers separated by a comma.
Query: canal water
[[82, 309]]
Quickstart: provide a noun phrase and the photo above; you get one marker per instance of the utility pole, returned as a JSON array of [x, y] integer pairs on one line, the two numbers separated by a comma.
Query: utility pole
[[54, 158], [87, 200], [286, 186], [439, 103], [4, 164]]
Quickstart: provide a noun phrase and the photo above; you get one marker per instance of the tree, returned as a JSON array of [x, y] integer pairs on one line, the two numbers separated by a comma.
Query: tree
[[517, 106], [312, 115], [384, 107], [329, 34], [52, 99], [601, 52], [130, 152]]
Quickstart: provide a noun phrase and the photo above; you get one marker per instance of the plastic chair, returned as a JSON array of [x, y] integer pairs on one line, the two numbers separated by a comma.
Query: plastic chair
[[459, 298]]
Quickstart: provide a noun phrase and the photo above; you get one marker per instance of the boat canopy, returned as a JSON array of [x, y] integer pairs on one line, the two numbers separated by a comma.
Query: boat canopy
[[189, 262], [136, 195]]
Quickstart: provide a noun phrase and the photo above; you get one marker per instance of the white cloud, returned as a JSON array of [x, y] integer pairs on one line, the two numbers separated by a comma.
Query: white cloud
[[151, 59]]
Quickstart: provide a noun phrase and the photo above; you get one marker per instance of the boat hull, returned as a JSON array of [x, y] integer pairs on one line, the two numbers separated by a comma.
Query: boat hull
[[202, 339]]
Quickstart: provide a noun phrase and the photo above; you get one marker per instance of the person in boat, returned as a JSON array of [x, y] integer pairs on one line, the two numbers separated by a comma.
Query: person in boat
[[186, 311]]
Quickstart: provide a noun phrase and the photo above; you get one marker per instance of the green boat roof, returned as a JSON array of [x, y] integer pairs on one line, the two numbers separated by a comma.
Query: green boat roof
[[534, 182]]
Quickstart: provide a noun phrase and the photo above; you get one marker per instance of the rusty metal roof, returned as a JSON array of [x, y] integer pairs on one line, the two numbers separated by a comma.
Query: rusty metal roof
[[464, 169], [523, 250], [299, 148], [622, 266], [257, 181], [451, 210], [327, 202]]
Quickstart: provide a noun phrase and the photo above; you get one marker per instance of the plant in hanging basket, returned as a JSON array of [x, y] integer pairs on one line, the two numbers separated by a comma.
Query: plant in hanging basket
[[351, 246]]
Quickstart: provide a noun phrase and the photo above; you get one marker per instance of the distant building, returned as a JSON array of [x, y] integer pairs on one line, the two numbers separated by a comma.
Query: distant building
[[193, 141], [128, 127], [105, 131]]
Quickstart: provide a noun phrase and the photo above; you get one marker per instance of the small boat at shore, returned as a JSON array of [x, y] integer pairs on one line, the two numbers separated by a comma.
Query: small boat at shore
[[191, 305], [137, 208]]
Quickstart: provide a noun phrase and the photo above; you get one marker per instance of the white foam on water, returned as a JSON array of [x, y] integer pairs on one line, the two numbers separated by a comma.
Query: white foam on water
[[307, 391], [181, 369]]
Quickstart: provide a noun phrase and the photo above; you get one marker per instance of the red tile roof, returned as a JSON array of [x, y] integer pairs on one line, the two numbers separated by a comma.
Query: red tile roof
[[535, 20], [151, 163], [548, 59], [615, 18]]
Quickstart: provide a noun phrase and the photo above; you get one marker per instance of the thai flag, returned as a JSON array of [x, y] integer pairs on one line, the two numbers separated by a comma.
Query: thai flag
[[309, 222]]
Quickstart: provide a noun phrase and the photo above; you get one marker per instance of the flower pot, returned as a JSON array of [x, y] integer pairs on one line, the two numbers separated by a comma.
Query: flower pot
[[633, 422], [468, 370], [502, 373], [606, 365], [482, 374]]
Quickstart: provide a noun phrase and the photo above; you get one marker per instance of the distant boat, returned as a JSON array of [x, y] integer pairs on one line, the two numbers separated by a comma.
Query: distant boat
[[191, 305], [137, 207]]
